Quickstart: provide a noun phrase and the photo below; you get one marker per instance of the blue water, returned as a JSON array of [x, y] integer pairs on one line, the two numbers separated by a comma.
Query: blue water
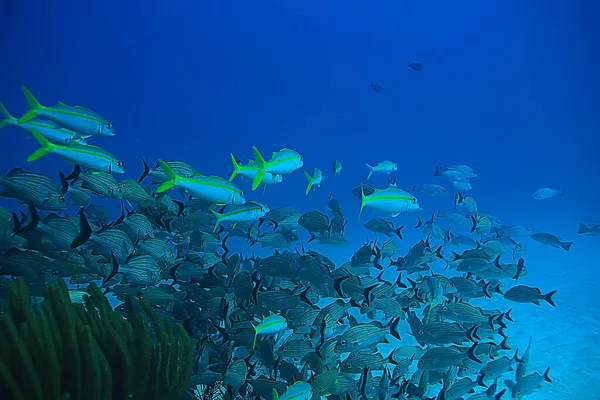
[[508, 87]]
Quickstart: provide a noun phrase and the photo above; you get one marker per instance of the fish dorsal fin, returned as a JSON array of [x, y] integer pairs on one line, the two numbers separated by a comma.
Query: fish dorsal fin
[[61, 104], [15, 172], [84, 108]]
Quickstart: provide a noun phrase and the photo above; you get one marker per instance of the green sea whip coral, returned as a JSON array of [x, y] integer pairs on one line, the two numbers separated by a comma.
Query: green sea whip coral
[[72, 351]]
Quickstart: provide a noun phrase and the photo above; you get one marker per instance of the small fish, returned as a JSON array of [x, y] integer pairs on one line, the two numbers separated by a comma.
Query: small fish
[[314, 180], [284, 161], [77, 119], [48, 129], [415, 66], [337, 168], [430, 189], [590, 229], [211, 188], [33, 187], [527, 384], [270, 325], [385, 167], [390, 200], [551, 240], [298, 391], [464, 201], [526, 294], [93, 157], [376, 88], [546, 193], [450, 174], [461, 185], [379, 225], [481, 224], [251, 211], [158, 175], [250, 170]]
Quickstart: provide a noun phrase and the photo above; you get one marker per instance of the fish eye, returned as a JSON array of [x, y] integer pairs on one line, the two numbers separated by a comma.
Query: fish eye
[[445, 309], [343, 342], [61, 198], [241, 193], [108, 124], [465, 369], [285, 348]]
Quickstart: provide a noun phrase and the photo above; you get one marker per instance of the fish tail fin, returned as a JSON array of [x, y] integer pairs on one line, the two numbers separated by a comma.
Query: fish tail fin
[[254, 340], [146, 171], [566, 245], [33, 103], [218, 222], [582, 229], [85, 231], [42, 151], [236, 167], [362, 201], [546, 377], [549, 299], [399, 232], [419, 222], [310, 182], [371, 170], [115, 268], [171, 182], [6, 117]]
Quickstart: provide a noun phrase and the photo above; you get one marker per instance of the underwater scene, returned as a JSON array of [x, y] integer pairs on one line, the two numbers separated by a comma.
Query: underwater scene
[[299, 200]]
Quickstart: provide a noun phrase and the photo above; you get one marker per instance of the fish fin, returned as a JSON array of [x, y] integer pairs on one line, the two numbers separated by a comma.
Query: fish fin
[[566, 245], [362, 201], [33, 103], [260, 161], [275, 395], [6, 117], [85, 231], [510, 385], [171, 182], [582, 229], [42, 151], [258, 179], [549, 299], [218, 216], [310, 182], [371, 170], [398, 232], [146, 171], [236, 167]]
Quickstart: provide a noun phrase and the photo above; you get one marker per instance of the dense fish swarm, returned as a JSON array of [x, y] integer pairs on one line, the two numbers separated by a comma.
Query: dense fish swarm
[[292, 324]]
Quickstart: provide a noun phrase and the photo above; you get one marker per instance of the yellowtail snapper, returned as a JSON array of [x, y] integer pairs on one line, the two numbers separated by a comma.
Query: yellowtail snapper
[[88, 156], [78, 119]]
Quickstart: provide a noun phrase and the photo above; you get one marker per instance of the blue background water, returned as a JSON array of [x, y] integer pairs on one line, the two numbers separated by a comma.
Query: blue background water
[[509, 87]]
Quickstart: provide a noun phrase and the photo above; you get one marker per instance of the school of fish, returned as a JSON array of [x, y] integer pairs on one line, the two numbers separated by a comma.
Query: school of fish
[[291, 325]]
